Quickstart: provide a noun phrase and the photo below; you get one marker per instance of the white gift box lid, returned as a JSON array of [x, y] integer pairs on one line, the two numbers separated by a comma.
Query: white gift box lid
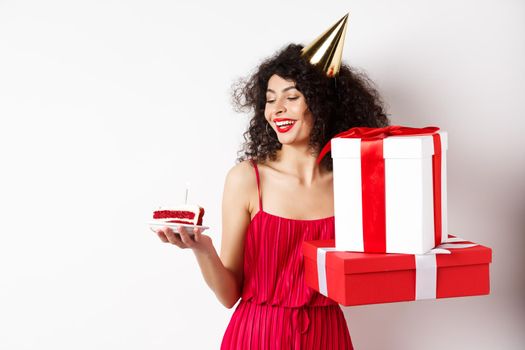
[[393, 146]]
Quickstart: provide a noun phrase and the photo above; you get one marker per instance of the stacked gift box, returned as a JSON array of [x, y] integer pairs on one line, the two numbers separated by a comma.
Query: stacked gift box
[[391, 239]]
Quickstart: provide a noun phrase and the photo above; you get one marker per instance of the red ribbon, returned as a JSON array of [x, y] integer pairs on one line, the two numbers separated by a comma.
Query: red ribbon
[[373, 179]]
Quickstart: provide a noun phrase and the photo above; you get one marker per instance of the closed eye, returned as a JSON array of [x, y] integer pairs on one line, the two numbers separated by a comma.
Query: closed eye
[[289, 98]]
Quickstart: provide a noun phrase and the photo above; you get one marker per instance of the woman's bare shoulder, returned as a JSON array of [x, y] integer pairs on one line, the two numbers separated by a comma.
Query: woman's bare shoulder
[[241, 174], [240, 186]]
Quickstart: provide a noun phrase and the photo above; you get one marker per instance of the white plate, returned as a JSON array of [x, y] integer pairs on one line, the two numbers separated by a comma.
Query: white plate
[[174, 226]]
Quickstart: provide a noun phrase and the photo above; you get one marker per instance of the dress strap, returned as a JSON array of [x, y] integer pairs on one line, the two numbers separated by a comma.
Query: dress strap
[[258, 183]]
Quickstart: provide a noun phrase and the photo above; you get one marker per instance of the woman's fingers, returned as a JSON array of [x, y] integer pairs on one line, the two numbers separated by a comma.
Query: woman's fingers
[[173, 238], [180, 237], [162, 236], [196, 234], [185, 237]]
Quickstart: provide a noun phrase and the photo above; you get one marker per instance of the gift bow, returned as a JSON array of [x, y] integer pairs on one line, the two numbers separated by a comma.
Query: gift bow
[[426, 267], [366, 133]]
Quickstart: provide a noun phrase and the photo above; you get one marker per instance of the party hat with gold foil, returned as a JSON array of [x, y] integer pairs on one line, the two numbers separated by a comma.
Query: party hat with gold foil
[[326, 51]]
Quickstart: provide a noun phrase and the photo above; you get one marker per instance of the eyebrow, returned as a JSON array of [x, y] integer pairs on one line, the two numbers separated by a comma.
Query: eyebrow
[[284, 90]]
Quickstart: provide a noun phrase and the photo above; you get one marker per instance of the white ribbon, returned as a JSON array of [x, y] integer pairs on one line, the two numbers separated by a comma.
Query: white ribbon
[[426, 267], [321, 268], [426, 276]]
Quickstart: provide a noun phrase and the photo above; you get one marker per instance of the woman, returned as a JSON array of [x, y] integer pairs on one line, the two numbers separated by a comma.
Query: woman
[[276, 197]]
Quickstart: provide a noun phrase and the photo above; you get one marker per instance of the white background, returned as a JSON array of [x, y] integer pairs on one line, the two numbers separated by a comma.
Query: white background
[[107, 108]]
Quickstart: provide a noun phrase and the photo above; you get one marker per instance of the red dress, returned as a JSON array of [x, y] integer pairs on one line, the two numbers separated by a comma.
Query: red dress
[[277, 310]]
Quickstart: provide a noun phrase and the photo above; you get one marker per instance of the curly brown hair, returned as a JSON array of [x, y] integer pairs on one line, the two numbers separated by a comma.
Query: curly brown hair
[[337, 104]]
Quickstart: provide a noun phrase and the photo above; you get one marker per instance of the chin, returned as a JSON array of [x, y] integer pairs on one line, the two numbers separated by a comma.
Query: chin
[[286, 138], [290, 140]]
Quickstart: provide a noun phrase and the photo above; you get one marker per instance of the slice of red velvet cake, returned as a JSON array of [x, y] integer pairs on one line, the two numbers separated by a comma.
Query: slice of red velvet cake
[[189, 214]]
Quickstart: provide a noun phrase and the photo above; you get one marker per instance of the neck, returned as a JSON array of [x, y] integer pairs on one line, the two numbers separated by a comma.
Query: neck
[[300, 162]]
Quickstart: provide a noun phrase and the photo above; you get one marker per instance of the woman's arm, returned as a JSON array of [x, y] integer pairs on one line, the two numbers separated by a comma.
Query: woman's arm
[[223, 274], [236, 210]]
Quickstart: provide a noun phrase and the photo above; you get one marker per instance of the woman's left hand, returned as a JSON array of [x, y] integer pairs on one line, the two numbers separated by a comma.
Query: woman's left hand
[[199, 242]]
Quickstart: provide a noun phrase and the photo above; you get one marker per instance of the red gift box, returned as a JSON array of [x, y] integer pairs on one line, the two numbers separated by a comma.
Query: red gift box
[[352, 278]]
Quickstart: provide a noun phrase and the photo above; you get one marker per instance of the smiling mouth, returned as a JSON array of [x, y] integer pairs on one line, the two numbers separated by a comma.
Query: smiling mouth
[[284, 125]]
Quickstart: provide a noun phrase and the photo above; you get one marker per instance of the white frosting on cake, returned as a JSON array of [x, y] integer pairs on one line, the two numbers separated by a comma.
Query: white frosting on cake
[[182, 207]]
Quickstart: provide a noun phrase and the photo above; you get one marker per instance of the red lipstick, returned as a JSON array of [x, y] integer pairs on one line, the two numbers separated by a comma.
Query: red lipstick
[[284, 124]]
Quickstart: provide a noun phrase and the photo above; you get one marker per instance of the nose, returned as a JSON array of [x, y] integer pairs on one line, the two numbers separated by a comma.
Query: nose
[[280, 108]]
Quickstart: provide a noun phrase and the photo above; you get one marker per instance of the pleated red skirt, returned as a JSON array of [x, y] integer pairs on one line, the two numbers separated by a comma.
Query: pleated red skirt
[[261, 326]]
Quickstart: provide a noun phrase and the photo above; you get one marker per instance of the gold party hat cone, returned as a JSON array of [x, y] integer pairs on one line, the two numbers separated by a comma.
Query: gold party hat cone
[[326, 51]]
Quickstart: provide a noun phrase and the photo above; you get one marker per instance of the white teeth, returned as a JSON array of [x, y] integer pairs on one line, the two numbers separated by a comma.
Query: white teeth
[[283, 123]]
